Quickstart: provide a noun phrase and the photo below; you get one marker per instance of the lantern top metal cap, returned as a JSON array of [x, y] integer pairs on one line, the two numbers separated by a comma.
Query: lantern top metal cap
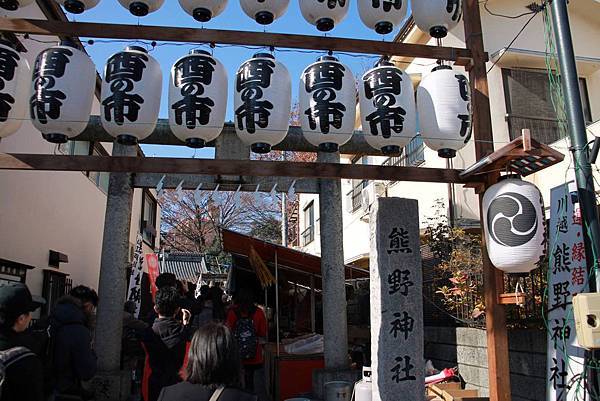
[[199, 51], [385, 63], [441, 67], [264, 55], [327, 58], [136, 48], [68, 43], [510, 177]]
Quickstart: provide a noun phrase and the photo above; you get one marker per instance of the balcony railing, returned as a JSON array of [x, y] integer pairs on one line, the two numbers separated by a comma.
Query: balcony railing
[[308, 235], [354, 197], [412, 156]]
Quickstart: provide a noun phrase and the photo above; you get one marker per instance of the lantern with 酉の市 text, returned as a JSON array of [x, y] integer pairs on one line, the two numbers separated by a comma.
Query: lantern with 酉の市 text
[[387, 108], [141, 8], [130, 95], [64, 79], [382, 15], [14, 89], [515, 229], [444, 105], [203, 10], [13, 5], [327, 103], [437, 17], [264, 11], [324, 14], [262, 101], [197, 98], [78, 6]]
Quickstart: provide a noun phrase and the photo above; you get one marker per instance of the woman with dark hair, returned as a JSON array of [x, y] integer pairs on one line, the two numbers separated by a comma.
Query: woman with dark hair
[[213, 369], [248, 324]]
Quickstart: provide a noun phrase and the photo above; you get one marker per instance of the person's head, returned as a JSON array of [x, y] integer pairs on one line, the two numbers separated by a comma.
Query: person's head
[[165, 280], [213, 359], [244, 298], [16, 305], [88, 298], [204, 291], [167, 302]]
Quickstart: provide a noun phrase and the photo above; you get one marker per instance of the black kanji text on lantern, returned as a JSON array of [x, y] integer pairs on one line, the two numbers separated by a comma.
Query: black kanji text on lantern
[[252, 77], [46, 103], [323, 80], [8, 66], [382, 85], [191, 74]]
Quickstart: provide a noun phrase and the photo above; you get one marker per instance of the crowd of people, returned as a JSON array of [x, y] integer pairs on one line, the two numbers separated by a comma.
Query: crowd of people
[[192, 346]]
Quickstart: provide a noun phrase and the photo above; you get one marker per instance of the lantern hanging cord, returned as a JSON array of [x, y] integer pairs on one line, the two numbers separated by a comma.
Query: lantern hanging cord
[[533, 7]]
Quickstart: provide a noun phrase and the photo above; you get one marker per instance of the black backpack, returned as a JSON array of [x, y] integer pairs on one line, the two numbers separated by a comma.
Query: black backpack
[[9, 357], [245, 334]]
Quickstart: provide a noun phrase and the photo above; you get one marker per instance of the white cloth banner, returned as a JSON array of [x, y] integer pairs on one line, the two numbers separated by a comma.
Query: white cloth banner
[[568, 277], [135, 280]]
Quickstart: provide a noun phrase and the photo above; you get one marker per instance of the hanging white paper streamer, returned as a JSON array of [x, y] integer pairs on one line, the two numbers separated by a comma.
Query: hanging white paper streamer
[[292, 191], [179, 190], [237, 198], [273, 194], [160, 186], [198, 195], [257, 195]]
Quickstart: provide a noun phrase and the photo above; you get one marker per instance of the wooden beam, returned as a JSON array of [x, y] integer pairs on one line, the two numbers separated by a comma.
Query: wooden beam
[[19, 161], [495, 314], [230, 37]]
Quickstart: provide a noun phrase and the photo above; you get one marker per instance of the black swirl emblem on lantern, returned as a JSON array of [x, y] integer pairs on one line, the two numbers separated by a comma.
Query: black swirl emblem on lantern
[[512, 219]]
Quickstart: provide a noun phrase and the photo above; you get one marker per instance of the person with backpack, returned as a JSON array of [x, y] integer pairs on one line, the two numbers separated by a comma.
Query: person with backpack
[[165, 342], [213, 369], [72, 358], [249, 326], [21, 370]]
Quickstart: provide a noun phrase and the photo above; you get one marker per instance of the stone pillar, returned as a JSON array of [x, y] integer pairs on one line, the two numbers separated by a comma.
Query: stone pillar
[[113, 280], [335, 324], [396, 301]]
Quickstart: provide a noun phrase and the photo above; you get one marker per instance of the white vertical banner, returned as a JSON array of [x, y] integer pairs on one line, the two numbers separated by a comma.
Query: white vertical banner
[[567, 278], [135, 280]]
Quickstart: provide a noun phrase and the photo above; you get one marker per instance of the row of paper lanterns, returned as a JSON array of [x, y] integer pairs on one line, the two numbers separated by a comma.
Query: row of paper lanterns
[[434, 16], [61, 95]]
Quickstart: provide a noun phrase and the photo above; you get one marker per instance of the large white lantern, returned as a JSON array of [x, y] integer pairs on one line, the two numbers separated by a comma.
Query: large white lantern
[[64, 79], [327, 103], [203, 10], [264, 11], [131, 95], [197, 98], [262, 102], [387, 108], [382, 15], [14, 89], [141, 8], [444, 104], [78, 6], [13, 5], [324, 14], [515, 229], [436, 16]]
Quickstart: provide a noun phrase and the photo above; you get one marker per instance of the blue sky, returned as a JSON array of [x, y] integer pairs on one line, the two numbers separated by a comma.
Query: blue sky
[[233, 18]]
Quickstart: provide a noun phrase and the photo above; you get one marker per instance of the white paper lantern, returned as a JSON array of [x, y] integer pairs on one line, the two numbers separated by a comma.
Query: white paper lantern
[[78, 6], [382, 15], [327, 103], [64, 79], [262, 102], [514, 223], [131, 95], [13, 5], [141, 8], [197, 98], [324, 14], [203, 10], [264, 11], [444, 104], [387, 108], [14, 89], [437, 17]]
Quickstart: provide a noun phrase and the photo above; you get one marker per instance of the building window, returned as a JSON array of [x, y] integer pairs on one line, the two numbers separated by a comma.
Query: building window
[[13, 272], [354, 197], [148, 218], [55, 286], [308, 235], [413, 154], [529, 104]]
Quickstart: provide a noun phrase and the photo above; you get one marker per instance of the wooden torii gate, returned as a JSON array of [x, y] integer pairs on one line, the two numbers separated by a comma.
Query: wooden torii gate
[[232, 168]]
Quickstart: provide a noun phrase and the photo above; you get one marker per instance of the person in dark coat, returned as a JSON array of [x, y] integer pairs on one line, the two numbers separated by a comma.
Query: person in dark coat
[[213, 365], [165, 342], [24, 380], [73, 358]]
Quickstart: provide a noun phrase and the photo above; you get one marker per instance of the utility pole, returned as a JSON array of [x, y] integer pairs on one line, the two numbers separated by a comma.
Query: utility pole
[[583, 169]]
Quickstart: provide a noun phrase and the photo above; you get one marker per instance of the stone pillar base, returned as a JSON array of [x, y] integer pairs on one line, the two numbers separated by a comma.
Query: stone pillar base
[[112, 386], [322, 376]]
